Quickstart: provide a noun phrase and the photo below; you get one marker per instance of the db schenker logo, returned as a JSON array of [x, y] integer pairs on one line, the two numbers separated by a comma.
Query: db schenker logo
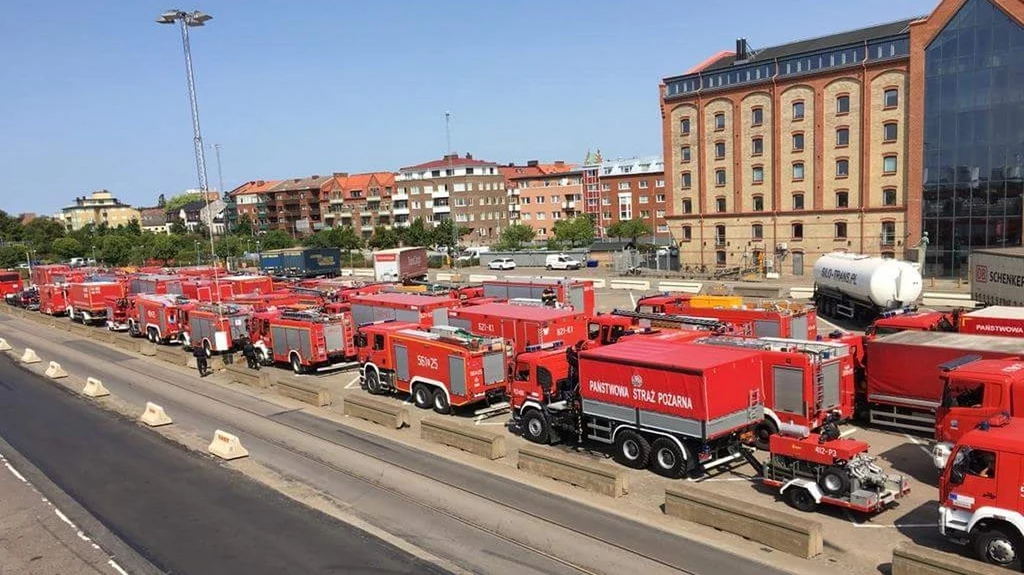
[[981, 274]]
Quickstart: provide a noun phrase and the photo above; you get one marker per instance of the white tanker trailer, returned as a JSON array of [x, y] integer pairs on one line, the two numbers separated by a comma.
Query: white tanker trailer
[[860, 287]]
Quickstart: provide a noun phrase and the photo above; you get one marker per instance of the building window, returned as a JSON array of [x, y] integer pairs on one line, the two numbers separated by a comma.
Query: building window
[[758, 174], [840, 230], [757, 231], [642, 184], [686, 180], [888, 235], [435, 174], [798, 142], [719, 177], [719, 121], [684, 153], [892, 98], [889, 197], [843, 199], [684, 126], [623, 185], [798, 171], [758, 203], [797, 231], [687, 205], [757, 146], [889, 132], [842, 137], [889, 165], [756, 116], [659, 183], [798, 201], [606, 187], [660, 198], [720, 205], [842, 168], [687, 233], [642, 199], [798, 110], [719, 150], [720, 258], [720, 235], [842, 104]]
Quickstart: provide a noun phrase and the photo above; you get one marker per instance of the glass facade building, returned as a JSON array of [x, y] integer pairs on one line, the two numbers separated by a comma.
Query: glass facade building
[[973, 164]]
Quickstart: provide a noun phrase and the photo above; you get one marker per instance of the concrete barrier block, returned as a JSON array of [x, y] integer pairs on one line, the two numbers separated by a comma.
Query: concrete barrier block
[[477, 278], [227, 446], [599, 283], [375, 410], [593, 476], [125, 342], [172, 355], [757, 291], [147, 348], [801, 293], [305, 392], [911, 559], [30, 356], [94, 388], [630, 284], [345, 272], [55, 371], [468, 438], [245, 376], [788, 533], [363, 273], [4, 346], [681, 287], [443, 277], [154, 415]]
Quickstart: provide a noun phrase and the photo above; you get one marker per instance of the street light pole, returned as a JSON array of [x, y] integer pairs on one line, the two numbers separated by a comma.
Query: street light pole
[[451, 189]]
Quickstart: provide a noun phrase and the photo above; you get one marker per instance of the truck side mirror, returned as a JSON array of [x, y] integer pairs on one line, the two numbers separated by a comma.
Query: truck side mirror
[[956, 476]]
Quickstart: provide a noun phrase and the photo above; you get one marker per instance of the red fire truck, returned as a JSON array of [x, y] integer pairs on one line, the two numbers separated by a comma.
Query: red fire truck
[[87, 301], [154, 284], [608, 328], [216, 327], [770, 319], [402, 307], [268, 301], [159, 317], [53, 299], [306, 340], [520, 325], [10, 283], [205, 290], [980, 500], [673, 406], [441, 368], [570, 292], [249, 284], [805, 382], [122, 315], [44, 274]]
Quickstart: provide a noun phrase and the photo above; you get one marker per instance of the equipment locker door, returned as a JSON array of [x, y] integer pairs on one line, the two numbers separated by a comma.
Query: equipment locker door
[[830, 385], [407, 315], [459, 322], [401, 354], [789, 390], [441, 316], [799, 327], [457, 375], [767, 328], [576, 298]]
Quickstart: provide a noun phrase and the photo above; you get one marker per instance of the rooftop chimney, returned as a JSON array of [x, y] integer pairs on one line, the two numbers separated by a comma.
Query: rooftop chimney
[[340, 174], [260, 182], [532, 163], [559, 162], [741, 49], [315, 177], [469, 156]]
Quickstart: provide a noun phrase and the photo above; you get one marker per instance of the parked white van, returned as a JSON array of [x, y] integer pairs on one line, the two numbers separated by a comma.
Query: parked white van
[[562, 262]]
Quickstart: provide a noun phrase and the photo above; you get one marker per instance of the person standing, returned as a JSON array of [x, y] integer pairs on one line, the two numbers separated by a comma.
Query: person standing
[[199, 352]]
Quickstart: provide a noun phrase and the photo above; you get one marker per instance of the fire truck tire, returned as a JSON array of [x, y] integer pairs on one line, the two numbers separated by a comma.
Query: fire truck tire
[[997, 545], [441, 404], [373, 382], [297, 364], [133, 329], [263, 357], [536, 427], [800, 499], [207, 348], [834, 482], [763, 432], [632, 449], [666, 458], [421, 396], [151, 335]]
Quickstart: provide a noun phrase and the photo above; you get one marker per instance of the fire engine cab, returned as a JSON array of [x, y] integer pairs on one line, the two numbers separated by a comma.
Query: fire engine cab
[[440, 368]]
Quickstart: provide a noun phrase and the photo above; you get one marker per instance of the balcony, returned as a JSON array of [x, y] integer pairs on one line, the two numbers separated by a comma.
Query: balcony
[[445, 209], [400, 196], [439, 194], [513, 208], [569, 206], [400, 211]]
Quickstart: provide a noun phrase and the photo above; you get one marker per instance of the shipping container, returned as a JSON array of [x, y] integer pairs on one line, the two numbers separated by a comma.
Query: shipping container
[[997, 276], [400, 264], [997, 320], [302, 262], [521, 326]]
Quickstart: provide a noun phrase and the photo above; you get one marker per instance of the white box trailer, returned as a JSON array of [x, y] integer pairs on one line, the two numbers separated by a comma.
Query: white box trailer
[[997, 276]]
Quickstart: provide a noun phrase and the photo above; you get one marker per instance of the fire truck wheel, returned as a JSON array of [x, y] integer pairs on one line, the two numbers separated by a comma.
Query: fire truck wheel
[[207, 348], [421, 396], [536, 427], [373, 382], [666, 458], [151, 335], [800, 499], [296, 364], [441, 404], [834, 482], [632, 449], [763, 432], [994, 546]]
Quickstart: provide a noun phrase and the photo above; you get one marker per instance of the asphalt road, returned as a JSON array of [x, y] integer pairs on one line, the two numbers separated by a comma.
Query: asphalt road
[[181, 511]]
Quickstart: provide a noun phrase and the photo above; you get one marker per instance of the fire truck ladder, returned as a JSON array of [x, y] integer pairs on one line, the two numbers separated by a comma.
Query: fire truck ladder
[[666, 319]]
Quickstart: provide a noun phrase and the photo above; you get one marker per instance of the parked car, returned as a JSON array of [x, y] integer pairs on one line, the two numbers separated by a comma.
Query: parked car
[[502, 264], [562, 262]]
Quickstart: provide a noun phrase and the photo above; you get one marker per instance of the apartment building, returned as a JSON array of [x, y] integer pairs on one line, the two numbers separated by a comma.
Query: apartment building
[[294, 205], [627, 189], [541, 194], [469, 190], [362, 201], [250, 201], [97, 209]]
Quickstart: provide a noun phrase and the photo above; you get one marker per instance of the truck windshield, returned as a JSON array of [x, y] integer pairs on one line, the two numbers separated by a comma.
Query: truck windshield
[[962, 396]]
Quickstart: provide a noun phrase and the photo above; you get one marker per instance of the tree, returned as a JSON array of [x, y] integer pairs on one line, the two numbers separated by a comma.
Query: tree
[[41, 232], [276, 240], [384, 238], [178, 228], [576, 232], [443, 236], [165, 247], [11, 256], [417, 234], [515, 237], [244, 226], [229, 247], [175, 203], [116, 250], [67, 248], [616, 230], [633, 229], [161, 201]]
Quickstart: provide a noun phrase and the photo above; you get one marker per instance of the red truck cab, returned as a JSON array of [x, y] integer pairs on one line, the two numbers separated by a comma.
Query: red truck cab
[[10, 283], [895, 321], [981, 501]]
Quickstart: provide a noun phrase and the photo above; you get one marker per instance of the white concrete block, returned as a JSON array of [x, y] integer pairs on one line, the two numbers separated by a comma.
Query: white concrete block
[[4, 346], [227, 446], [154, 415], [55, 371], [30, 356], [94, 388]]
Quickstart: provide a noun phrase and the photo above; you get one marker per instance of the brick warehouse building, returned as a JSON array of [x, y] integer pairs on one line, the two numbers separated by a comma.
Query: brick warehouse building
[[778, 155]]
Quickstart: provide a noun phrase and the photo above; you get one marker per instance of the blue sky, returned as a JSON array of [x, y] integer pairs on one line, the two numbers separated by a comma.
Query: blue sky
[[93, 93]]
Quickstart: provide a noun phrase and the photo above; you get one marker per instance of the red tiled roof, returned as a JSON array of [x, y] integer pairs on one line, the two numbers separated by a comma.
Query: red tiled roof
[[535, 171], [456, 162], [710, 61], [253, 187]]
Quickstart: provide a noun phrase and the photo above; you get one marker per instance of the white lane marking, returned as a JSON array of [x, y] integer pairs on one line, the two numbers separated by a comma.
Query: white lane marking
[[898, 526], [914, 440], [15, 473], [353, 384], [117, 567], [64, 518]]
